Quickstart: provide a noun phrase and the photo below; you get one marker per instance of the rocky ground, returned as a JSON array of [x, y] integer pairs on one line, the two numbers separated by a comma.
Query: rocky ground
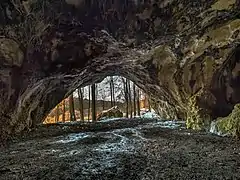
[[144, 149]]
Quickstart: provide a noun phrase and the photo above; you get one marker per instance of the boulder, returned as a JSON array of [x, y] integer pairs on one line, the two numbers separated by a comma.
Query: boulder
[[113, 112], [229, 125]]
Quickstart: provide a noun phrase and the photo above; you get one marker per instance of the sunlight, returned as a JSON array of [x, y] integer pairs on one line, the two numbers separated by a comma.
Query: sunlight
[[109, 93]]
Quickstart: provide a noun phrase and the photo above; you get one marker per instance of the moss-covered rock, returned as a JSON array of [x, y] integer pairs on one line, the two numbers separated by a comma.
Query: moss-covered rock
[[194, 119], [230, 124], [10, 52], [223, 4]]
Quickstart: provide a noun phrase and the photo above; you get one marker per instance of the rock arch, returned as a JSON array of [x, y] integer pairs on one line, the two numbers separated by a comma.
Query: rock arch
[[55, 47]]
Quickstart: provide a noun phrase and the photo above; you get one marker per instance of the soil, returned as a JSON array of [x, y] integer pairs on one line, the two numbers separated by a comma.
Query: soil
[[124, 149]]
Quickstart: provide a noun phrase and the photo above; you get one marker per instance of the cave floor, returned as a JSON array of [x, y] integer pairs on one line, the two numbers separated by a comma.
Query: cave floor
[[134, 149]]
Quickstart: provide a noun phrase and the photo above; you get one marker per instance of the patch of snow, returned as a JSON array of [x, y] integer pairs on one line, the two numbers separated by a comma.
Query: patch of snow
[[14, 152], [215, 130], [69, 122], [106, 119], [150, 114], [50, 151], [70, 153], [168, 124], [122, 146], [187, 133], [165, 124], [131, 131], [125, 143], [72, 137]]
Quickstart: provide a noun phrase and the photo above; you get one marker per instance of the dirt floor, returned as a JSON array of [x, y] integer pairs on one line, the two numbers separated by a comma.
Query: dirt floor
[[134, 149]]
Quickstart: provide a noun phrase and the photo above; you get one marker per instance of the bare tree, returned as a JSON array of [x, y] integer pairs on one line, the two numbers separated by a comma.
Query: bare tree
[[93, 102], [64, 110], [101, 93], [112, 92], [129, 97], [145, 100], [134, 100], [103, 100], [96, 97], [71, 107], [89, 102], [125, 89], [149, 105], [80, 99], [57, 114], [138, 101]]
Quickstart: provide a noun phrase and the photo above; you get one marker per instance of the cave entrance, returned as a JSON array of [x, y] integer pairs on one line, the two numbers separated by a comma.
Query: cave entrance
[[113, 97]]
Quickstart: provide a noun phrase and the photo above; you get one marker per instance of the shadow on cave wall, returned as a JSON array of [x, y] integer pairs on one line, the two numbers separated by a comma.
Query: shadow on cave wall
[[228, 79]]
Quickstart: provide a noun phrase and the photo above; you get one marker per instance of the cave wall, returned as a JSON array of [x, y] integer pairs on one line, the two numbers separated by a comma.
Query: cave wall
[[184, 54]]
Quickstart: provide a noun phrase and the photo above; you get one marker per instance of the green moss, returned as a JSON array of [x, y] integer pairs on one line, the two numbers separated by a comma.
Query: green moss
[[196, 118], [163, 53], [185, 78], [235, 25], [209, 68], [193, 120], [223, 4], [164, 61], [220, 34], [11, 52], [209, 62], [218, 37], [225, 32], [231, 123]]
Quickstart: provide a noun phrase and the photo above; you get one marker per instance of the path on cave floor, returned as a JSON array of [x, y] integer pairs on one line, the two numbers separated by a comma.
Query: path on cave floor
[[124, 149]]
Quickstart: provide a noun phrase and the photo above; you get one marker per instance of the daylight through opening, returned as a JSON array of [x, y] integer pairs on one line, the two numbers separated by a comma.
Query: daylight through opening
[[114, 97]]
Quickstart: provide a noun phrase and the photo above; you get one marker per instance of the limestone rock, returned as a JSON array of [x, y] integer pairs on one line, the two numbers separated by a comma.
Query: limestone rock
[[113, 112], [229, 125], [10, 53]]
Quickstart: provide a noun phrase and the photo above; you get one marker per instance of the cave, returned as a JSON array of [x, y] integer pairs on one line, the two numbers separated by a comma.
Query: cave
[[188, 64], [184, 54]]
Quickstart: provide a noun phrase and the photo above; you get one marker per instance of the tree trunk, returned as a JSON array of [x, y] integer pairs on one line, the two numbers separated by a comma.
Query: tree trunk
[[111, 91], [134, 100], [80, 98], [64, 111], [93, 102], [149, 105], [89, 102], [83, 112], [125, 95], [138, 102], [129, 97], [57, 114], [71, 107], [103, 104], [96, 98]]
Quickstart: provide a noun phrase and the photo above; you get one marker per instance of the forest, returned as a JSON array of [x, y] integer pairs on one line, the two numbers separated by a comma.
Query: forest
[[112, 91]]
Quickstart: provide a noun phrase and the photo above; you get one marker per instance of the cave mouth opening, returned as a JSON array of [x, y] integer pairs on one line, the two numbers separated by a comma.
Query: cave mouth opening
[[119, 96]]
